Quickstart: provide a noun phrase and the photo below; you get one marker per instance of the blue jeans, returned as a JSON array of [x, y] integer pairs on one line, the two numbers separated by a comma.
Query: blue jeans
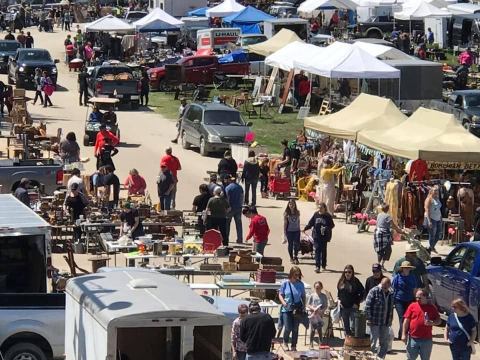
[[434, 232], [235, 214], [461, 353], [291, 324], [293, 238], [320, 253], [165, 201], [348, 314], [253, 185], [422, 347], [260, 356], [401, 307], [379, 339]]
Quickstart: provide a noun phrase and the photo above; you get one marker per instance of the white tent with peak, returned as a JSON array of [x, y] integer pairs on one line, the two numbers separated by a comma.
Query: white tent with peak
[[309, 6], [226, 8], [109, 23], [419, 10], [157, 20], [283, 58]]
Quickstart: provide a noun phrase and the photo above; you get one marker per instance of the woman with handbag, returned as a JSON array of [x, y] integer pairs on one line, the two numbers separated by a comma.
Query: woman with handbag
[[48, 88], [292, 296], [461, 331], [350, 294]]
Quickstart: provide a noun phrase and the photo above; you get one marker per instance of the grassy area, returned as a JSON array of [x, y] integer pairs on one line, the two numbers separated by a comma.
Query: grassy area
[[269, 131]]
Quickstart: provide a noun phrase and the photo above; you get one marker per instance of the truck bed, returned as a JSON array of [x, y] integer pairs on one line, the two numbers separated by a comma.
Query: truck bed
[[121, 87]]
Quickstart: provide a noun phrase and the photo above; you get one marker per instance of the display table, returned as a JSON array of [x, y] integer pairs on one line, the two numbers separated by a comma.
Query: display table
[[114, 247], [215, 289], [131, 258]]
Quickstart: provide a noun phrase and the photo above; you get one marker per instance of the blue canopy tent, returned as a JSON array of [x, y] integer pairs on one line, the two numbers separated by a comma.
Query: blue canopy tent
[[237, 56], [248, 20], [198, 12]]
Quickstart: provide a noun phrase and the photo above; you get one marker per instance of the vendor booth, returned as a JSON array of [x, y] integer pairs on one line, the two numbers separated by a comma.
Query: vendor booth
[[275, 43], [109, 23], [249, 20], [284, 57], [157, 20], [226, 8]]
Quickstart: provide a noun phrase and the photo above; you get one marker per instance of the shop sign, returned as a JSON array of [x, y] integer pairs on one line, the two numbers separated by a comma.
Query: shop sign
[[452, 165]]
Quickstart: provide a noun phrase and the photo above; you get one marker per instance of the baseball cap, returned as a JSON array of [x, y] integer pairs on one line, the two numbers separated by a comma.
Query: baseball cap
[[376, 267]]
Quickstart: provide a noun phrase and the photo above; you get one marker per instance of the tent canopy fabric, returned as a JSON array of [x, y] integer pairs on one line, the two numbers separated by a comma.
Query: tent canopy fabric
[[428, 135], [275, 43], [248, 20], [382, 52], [309, 6], [418, 10], [157, 20], [342, 60], [198, 12], [109, 23], [366, 112], [283, 58], [226, 8]]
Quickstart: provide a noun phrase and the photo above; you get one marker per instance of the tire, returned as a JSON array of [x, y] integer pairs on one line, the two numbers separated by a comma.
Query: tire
[[134, 105], [86, 140], [24, 351], [374, 34], [185, 143], [231, 83], [203, 149], [162, 86], [466, 125]]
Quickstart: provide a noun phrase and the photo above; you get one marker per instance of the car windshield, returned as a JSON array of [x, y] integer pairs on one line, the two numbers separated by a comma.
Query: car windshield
[[136, 15], [9, 46], [472, 100], [252, 40], [34, 55], [223, 118]]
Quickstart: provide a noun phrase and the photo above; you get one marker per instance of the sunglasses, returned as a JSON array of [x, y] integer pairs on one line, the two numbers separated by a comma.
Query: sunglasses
[[348, 272]]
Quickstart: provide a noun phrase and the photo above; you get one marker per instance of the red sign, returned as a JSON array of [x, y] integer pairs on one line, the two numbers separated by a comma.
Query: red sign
[[205, 41]]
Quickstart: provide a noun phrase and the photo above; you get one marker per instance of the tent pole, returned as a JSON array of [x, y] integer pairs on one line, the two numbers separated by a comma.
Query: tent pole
[[399, 87], [330, 92]]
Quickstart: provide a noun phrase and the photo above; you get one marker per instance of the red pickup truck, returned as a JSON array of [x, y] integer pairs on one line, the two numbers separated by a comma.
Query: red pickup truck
[[198, 70]]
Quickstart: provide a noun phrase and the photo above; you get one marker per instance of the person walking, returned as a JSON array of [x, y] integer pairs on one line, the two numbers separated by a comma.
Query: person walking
[[250, 175], [239, 348], [102, 135], [374, 279], [217, 209], [291, 225], [165, 185], [69, 149], [22, 39], [38, 86], [67, 20], [29, 41], [83, 86], [111, 184], [382, 237], [135, 183], [322, 224], [144, 89], [317, 303], [257, 331], [106, 154], [404, 286], [227, 166], [181, 112], [173, 164], [417, 327], [258, 229], [293, 299], [47, 88], [199, 206], [379, 314], [350, 293], [419, 269], [234, 194], [461, 331], [75, 204], [433, 217]]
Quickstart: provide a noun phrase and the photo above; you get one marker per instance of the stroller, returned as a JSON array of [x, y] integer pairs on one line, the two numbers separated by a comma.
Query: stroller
[[306, 245]]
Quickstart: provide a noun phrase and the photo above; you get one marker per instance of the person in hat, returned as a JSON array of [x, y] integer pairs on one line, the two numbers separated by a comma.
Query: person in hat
[[21, 192], [165, 185], [181, 112], [375, 278], [257, 331], [173, 164], [419, 269], [404, 285], [234, 194], [227, 166], [131, 222], [101, 136], [258, 229]]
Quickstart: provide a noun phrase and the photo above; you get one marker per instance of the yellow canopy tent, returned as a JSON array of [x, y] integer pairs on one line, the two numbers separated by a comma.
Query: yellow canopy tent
[[428, 135], [366, 112], [276, 42]]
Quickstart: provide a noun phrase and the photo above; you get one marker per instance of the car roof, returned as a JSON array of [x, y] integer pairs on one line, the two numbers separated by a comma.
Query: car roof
[[466, 92], [472, 244], [32, 49], [215, 107]]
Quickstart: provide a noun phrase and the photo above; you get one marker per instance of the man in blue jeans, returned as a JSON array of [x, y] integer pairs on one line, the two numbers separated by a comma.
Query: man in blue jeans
[[165, 185], [234, 194]]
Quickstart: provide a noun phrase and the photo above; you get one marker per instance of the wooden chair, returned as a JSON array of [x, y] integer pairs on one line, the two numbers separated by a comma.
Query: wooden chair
[[70, 259]]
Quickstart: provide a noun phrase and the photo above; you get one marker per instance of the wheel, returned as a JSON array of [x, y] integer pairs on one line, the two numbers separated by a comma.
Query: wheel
[[162, 86], [374, 34], [466, 125], [185, 143], [24, 351], [134, 105], [86, 140], [231, 83], [203, 149]]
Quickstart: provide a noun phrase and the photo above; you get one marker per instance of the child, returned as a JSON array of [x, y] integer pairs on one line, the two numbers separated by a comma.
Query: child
[[264, 170]]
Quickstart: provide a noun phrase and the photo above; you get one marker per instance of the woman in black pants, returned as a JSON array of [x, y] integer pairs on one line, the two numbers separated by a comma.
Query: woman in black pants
[[38, 86], [350, 294], [144, 89]]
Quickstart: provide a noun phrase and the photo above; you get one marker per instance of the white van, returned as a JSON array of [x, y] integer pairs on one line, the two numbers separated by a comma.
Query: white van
[[217, 38], [140, 315]]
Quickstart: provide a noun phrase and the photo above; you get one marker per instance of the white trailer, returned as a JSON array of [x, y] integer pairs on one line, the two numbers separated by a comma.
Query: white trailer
[[178, 8], [299, 26], [140, 315]]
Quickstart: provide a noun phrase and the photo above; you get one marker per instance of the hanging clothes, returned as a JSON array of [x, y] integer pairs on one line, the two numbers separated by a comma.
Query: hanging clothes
[[392, 199], [326, 187], [418, 171], [466, 199]]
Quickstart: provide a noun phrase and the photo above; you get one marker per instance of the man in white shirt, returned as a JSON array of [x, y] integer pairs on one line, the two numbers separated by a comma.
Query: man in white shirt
[[76, 179]]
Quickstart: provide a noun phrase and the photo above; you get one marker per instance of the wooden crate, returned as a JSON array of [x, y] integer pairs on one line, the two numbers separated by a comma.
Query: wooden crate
[[229, 266]]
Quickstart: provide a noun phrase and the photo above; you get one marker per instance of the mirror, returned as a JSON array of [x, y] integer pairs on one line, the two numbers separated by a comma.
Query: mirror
[[196, 121], [56, 61], [249, 123]]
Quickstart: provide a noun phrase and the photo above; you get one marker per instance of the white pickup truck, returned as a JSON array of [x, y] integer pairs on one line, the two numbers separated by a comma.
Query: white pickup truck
[[32, 322]]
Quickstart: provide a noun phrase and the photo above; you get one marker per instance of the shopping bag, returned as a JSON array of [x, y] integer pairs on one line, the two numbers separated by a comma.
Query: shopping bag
[[335, 313]]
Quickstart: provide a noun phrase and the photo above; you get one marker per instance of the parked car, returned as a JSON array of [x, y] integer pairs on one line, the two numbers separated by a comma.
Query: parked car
[[457, 276], [7, 48], [378, 26], [212, 127], [21, 66], [465, 106], [132, 16], [245, 40]]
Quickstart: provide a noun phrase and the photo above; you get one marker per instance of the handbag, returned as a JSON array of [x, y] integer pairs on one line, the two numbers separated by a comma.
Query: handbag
[[465, 332], [298, 308]]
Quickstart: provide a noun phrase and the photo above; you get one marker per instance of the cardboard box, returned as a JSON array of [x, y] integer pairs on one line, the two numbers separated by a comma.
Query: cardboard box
[[243, 260], [248, 267], [229, 266]]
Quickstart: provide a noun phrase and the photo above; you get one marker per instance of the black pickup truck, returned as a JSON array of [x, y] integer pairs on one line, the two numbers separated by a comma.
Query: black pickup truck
[[114, 81], [21, 66], [377, 26]]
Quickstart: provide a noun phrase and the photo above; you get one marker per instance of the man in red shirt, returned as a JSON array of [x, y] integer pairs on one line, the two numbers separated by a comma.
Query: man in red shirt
[[417, 327], [173, 164], [101, 136], [303, 90], [258, 228]]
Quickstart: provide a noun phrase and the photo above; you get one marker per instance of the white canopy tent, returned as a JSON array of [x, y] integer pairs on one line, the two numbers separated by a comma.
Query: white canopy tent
[[382, 52], [157, 18], [226, 8], [418, 10], [309, 6], [109, 23], [283, 58], [341, 60]]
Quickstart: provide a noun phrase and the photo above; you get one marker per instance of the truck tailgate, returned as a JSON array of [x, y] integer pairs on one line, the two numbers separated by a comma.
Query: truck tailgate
[[120, 87]]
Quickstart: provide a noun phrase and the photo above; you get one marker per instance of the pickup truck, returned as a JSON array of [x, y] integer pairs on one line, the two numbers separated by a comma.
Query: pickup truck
[[377, 26], [114, 81], [7, 48], [197, 70], [21, 66], [457, 276], [46, 174], [465, 106]]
